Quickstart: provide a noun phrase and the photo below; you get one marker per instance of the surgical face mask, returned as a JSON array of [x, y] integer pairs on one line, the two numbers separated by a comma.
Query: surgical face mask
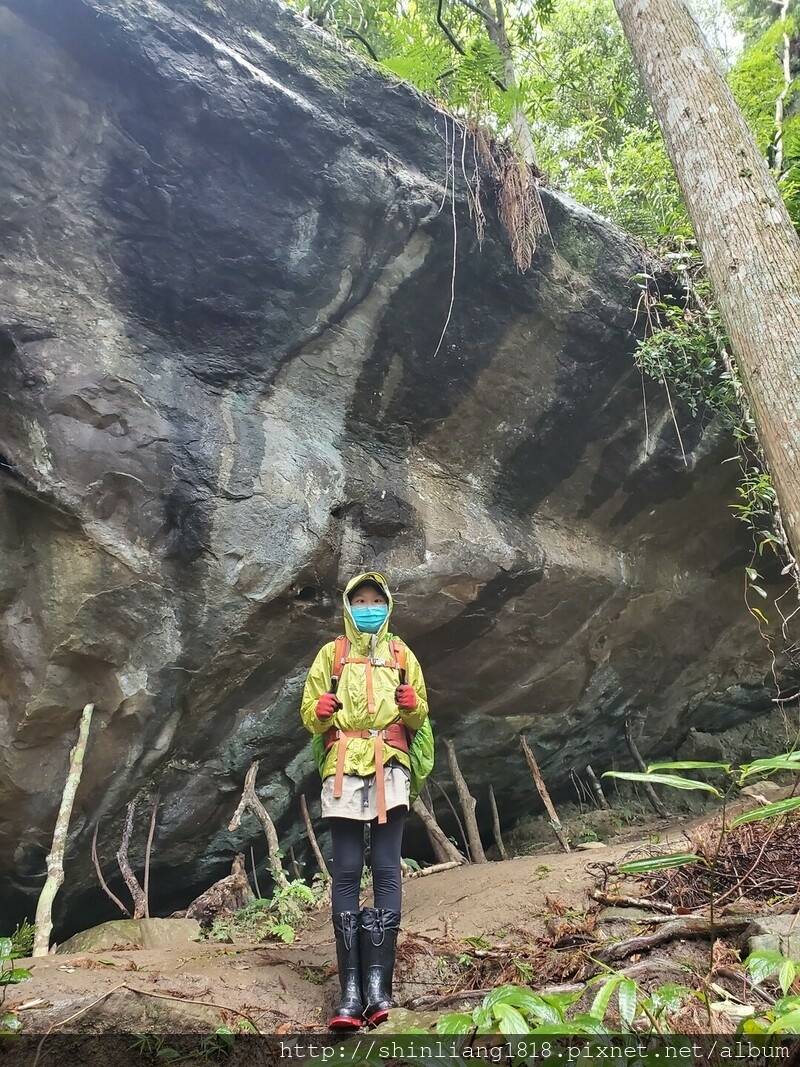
[[370, 619]]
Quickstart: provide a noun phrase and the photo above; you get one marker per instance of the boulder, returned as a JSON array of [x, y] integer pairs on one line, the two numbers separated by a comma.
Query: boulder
[[162, 934], [235, 369]]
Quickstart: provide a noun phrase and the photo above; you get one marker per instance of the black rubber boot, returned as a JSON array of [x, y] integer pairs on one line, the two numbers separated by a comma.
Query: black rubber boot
[[349, 1012], [379, 929]]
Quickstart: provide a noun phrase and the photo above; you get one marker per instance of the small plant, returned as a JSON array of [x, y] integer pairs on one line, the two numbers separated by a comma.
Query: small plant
[[10, 1023], [784, 1015], [277, 916], [22, 939]]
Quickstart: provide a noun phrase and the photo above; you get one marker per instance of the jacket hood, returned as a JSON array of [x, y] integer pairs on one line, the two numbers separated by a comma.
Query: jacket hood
[[354, 635]]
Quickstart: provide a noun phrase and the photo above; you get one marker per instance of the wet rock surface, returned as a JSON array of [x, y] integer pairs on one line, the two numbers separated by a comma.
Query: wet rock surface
[[224, 280]]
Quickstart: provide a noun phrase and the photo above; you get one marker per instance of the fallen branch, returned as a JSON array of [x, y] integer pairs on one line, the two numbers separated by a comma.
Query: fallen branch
[[55, 858], [686, 927], [444, 847], [251, 802], [597, 789], [435, 869], [468, 805], [631, 902], [428, 798], [103, 882], [312, 837], [541, 788]]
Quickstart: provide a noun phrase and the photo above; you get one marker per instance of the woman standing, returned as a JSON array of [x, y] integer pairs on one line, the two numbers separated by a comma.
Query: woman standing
[[364, 693]]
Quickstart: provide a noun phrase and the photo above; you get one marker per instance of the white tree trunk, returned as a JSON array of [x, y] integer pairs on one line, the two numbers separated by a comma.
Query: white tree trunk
[[55, 858], [751, 250]]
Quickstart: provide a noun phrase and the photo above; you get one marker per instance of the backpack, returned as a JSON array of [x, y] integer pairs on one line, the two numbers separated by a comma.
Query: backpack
[[421, 741]]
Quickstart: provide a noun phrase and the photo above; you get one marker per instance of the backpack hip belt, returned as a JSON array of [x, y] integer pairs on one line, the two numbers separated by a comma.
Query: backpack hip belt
[[394, 735]]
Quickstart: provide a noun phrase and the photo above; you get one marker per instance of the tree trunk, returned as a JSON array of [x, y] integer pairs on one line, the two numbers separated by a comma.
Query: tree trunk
[[250, 802], [55, 858], [750, 248]]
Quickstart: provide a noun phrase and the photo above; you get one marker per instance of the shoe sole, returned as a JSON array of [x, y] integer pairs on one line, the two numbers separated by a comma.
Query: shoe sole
[[378, 1017], [344, 1022]]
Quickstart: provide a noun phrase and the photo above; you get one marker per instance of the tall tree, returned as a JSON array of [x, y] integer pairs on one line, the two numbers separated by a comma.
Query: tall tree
[[750, 247]]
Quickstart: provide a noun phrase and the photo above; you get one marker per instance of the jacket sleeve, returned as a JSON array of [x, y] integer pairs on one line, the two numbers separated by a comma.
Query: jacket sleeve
[[414, 719], [318, 681]]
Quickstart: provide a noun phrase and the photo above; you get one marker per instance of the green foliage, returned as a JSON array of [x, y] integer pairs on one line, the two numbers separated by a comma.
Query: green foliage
[[736, 777], [22, 939], [275, 917], [10, 1023], [618, 1006], [784, 1015]]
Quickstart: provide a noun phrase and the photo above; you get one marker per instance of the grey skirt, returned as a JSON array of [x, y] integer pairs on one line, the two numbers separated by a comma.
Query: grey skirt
[[359, 799]]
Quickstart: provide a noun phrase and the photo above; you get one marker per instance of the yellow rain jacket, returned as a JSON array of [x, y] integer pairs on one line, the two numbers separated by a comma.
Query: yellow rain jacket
[[352, 691]]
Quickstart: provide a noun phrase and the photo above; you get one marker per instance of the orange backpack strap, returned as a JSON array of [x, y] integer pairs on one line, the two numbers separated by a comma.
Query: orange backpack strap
[[341, 650], [398, 650]]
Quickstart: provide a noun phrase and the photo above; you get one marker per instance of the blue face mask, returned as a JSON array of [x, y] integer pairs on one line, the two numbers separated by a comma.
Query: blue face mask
[[369, 620]]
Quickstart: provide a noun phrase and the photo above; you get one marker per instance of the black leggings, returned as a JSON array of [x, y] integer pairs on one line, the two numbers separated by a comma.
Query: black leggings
[[347, 839]]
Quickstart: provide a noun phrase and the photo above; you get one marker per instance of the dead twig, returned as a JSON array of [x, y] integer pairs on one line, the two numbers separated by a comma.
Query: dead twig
[[468, 805], [312, 837], [597, 789], [443, 846], [436, 868], [251, 802], [650, 793], [102, 880], [631, 902], [541, 788], [498, 838]]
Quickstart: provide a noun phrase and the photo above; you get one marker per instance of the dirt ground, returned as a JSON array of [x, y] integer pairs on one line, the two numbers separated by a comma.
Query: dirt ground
[[291, 988]]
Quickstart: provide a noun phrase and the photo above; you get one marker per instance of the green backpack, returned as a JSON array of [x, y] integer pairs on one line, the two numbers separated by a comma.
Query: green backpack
[[421, 746]]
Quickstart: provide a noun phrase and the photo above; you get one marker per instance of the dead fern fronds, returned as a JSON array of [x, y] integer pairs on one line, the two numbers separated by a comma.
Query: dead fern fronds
[[519, 202]]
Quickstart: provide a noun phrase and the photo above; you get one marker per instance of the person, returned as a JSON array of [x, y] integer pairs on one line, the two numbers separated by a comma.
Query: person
[[365, 707]]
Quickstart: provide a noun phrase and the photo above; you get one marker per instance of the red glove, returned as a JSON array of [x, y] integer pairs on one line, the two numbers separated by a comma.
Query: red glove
[[326, 706], [406, 697]]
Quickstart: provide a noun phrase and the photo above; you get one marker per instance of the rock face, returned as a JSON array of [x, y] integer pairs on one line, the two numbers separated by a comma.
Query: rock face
[[226, 270]]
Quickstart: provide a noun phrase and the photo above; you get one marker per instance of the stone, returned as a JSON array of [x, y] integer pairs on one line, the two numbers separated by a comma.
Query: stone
[[776, 933], [224, 281], [162, 934], [589, 846]]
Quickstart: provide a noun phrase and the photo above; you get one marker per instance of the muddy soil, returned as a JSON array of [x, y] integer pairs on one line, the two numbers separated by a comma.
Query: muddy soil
[[291, 988]]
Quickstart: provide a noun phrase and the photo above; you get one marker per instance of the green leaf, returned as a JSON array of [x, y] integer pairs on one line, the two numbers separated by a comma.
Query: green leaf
[[454, 1023], [688, 765], [759, 590], [660, 863], [14, 976], [603, 997], [786, 975], [510, 1020], [762, 963], [10, 1023], [6, 948], [627, 998], [786, 1024], [482, 1018], [787, 761], [768, 811], [752, 574], [663, 779]]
